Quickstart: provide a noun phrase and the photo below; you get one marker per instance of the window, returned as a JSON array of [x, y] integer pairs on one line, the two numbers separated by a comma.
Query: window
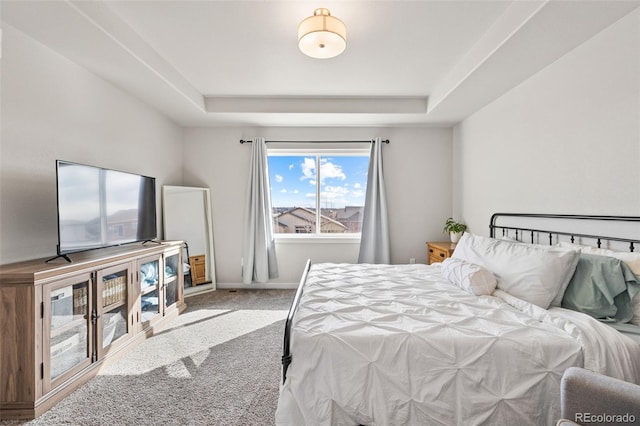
[[318, 191]]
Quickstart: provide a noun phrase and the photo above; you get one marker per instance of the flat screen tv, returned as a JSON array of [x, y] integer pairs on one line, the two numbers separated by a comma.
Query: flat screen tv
[[99, 207]]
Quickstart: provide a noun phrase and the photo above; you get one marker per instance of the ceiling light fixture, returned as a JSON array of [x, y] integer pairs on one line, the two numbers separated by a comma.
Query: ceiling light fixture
[[322, 35]]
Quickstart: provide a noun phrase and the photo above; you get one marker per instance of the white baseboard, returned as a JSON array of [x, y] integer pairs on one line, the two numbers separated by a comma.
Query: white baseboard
[[256, 286]]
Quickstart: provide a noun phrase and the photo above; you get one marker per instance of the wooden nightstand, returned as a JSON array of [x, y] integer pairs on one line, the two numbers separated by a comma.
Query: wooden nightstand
[[198, 269], [439, 251]]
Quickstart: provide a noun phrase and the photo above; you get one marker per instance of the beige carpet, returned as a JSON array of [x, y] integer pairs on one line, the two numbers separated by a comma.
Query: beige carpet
[[217, 364]]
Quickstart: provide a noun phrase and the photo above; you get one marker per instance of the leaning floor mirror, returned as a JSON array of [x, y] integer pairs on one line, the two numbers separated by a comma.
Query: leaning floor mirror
[[187, 216]]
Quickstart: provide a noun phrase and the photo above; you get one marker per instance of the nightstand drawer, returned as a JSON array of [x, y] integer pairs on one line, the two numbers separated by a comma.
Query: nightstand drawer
[[439, 251]]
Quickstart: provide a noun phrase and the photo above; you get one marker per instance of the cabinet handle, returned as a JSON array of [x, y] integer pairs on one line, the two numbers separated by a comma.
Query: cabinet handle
[[441, 254], [430, 250]]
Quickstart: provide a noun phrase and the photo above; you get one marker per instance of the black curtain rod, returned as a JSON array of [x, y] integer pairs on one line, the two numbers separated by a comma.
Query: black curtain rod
[[369, 141]]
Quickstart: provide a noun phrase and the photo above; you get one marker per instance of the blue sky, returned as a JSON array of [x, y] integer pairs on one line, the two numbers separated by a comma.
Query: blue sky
[[293, 180]]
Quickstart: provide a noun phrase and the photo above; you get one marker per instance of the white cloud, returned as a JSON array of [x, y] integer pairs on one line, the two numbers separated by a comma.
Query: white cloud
[[335, 191], [308, 169], [283, 190], [357, 185], [279, 178], [331, 171], [335, 195], [328, 170]]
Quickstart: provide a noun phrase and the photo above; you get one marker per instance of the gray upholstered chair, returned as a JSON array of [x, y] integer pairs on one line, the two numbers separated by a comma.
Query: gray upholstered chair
[[593, 399]]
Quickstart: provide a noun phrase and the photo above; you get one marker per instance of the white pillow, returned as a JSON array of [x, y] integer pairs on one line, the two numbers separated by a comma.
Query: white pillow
[[631, 259], [472, 278], [557, 301], [528, 272]]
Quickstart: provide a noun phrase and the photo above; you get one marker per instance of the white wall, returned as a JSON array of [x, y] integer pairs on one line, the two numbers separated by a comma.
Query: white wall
[[417, 168], [567, 140], [54, 109]]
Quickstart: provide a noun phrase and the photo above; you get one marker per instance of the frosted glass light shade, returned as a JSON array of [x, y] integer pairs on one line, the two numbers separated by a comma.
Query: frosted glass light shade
[[322, 35]]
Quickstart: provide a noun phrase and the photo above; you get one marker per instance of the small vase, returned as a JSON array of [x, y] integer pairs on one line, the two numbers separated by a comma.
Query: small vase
[[455, 236]]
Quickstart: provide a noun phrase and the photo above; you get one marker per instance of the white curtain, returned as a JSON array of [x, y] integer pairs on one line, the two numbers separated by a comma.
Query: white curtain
[[374, 243], [259, 252]]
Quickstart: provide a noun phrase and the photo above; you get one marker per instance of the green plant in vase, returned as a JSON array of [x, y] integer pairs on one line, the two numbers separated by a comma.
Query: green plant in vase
[[454, 229]]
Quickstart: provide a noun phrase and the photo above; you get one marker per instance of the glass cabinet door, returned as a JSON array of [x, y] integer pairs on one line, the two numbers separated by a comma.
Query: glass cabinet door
[[172, 271], [149, 279], [112, 298], [67, 327]]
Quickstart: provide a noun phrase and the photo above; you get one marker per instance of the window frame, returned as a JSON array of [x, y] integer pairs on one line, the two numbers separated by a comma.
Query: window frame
[[317, 153]]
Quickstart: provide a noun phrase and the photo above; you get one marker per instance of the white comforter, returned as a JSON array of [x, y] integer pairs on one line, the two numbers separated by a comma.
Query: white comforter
[[398, 345]]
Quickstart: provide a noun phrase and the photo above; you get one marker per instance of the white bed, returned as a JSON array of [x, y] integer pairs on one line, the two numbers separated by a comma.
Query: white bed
[[402, 345]]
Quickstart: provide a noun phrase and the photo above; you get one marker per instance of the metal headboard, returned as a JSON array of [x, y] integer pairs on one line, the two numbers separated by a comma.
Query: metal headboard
[[534, 233]]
